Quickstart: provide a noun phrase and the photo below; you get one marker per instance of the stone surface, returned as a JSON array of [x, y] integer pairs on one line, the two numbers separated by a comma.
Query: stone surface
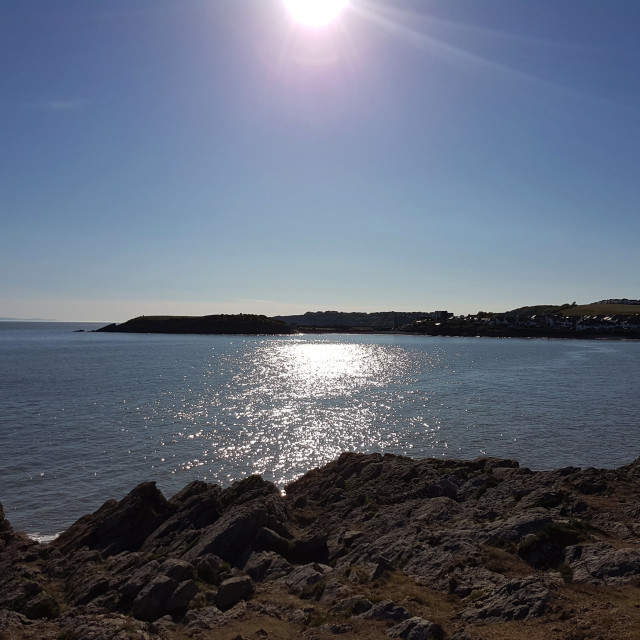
[[496, 542], [416, 629], [233, 590]]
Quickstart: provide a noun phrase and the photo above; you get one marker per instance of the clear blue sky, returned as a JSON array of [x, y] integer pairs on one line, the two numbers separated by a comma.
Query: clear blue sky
[[211, 156]]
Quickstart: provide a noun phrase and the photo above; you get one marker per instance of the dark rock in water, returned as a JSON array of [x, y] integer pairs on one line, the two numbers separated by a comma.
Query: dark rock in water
[[6, 532]]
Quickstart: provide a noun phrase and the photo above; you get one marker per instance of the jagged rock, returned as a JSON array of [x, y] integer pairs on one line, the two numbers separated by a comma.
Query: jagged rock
[[136, 582], [518, 599], [83, 592], [104, 627], [250, 505], [266, 565], [386, 610], [10, 620], [203, 619], [353, 605], [477, 530], [197, 506], [163, 595], [334, 592], [269, 540], [416, 629], [6, 532], [302, 578], [41, 606], [209, 567], [601, 563], [118, 526], [177, 569], [182, 595], [233, 590]]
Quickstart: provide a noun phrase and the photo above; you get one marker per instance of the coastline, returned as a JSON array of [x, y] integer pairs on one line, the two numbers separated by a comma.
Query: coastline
[[367, 546]]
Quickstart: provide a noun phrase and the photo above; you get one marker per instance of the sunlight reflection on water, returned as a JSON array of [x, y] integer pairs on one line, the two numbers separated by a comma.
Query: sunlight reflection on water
[[294, 404]]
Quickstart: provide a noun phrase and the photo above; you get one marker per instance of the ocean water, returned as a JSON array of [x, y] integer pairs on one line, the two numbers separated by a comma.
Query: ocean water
[[87, 416]]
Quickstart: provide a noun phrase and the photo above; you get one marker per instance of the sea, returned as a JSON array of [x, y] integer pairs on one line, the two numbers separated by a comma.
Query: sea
[[87, 416]]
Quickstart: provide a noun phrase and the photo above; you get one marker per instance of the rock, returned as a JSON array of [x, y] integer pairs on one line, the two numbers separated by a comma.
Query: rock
[[198, 620], [6, 532], [178, 570], [386, 610], [268, 540], [118, 526], [233, 590], [249, 506], [183, 594], [149, 603], [416, 629], [519, 599], [312, 548], [11, 620], [302, 578], [377, 567], [42, 606], [85, 591], [162, 596], [266, 565], [601, 563], [209, 567], [334, 592], [104, 627], [353, 605], [479, 530]]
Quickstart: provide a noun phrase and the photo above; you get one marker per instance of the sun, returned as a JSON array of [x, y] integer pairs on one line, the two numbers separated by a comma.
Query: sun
[[315, 13]]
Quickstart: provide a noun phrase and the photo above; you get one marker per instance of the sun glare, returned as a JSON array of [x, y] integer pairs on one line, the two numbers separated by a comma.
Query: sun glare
[[315, 13]]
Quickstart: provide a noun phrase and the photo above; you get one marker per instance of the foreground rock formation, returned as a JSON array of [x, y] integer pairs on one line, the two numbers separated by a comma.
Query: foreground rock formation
[[368, 546]]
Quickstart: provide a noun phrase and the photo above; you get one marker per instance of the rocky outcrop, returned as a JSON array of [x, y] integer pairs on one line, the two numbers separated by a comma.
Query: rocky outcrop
[[367, 546], [6, 532], [230, 324]]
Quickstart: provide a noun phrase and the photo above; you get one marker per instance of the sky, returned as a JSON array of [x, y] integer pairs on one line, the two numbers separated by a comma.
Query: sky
[[196, 157]]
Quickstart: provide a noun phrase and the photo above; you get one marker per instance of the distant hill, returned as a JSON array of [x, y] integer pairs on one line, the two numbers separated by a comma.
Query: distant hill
[[239, 324], [355, 319], [539, 310], [592, 309], [602, 309]]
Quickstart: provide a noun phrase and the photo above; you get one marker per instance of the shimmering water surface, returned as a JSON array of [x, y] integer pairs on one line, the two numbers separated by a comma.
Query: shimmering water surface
[[87, 416]]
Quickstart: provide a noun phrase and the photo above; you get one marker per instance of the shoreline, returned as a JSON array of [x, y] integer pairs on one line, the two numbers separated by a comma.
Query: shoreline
[[367, 546]]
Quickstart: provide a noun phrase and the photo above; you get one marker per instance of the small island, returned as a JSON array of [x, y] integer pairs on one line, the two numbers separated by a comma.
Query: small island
[[238, 324]]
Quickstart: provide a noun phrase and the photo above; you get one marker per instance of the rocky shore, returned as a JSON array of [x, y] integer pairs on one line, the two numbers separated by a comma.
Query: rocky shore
[[368, 546]]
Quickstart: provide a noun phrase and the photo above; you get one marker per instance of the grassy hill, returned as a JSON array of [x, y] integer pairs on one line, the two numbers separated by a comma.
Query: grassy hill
[[593, 309], [599, 309]]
